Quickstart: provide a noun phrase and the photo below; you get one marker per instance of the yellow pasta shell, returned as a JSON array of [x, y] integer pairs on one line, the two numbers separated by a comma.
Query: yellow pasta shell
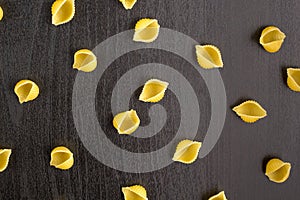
[[85, 60], [187, 151], [293, 79], [220, 196], [128, 4], [146, 30], [135, 192], [4, 158], [209, 56], [126, 122], [1, 13], [271, 39], [277, 170], [62, 11], [250, 111], [61, 158], [26, 90], [153, 91]]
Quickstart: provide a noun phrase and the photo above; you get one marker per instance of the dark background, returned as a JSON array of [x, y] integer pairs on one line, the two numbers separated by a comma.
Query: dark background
[[31, 47]]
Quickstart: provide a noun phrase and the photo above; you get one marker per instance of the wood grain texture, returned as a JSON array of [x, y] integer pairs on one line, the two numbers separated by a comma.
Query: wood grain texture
[[31, 47]]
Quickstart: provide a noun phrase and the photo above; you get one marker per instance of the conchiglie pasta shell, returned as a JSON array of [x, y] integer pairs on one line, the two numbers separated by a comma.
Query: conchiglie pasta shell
[[26, 90], [277, 170], [187, 151], [271, 39], [85, 60], [126, 122], [62, 158], [220, 196], [153, 91], [209, 56], [146, 30], [135, 192], [62, 11], [4, 158], [128, 4], [250, 111], [1, 13], [293, 80]]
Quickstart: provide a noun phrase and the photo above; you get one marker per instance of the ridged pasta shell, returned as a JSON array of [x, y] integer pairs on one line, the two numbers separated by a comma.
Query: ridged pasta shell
[[135, 192], [4, 158], [126, 122], [209, 56], [220, 196], [1, 13], [271, 39], [153, 91], [128, 4], [26, 90], [293, 79], [62, 158], [85, 60], [277, 170], [146, 30], [250, 111], [187, 151], [62, 11]]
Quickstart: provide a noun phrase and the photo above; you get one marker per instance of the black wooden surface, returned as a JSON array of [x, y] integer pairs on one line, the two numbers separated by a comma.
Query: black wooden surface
[[31, 47]]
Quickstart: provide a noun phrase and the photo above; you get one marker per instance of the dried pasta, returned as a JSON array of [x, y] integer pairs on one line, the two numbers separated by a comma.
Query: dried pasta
[[1, 13], [85, 60], [4, 158], [135, 192], [293, 79], [209, 56], [271, 39], [126, 122], [26, 90], [62, 158], [277, 170], [153, 91], [220, 196], [187, 151], [250, 111], [63, 11], [128, 4], [146, 30]]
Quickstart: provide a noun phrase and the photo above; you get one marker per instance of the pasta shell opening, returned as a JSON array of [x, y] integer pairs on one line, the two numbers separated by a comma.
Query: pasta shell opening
[[26, 90], [277, 170], [4, 158], [128, 4], [209, 56], [62, 158], [250, 111], [63, 11], [187, 151], [146, 30], [272, 39], [220, 196], [135, 192], [293, 80], [126, 122], [85, 60], [153, 91]]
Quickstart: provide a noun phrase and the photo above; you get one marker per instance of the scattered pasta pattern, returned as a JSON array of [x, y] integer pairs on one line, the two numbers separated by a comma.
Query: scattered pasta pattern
[[135, 192], [85, 60], [128, 4], [146, 30], [293, 79], [250, 111], [63, 11], [1, 13], [187, 151], [277, 170], [220, 196], [26, 90], [4, 158], [271, 39], [209, 56], [153, 91], [126, 122], [62, 158]]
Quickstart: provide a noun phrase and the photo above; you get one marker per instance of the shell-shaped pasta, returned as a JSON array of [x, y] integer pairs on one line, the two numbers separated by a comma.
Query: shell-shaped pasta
[[135, 192], [126, 122], [250, 111], [293, 79], [209, 56], [153, 91], [63, 11], [26, 90], [277, 170], [128, 4], [187, 151], [85, 60], [220, 196], [62, 158], [146, 30], [4, 158], [1, 13], [271, 39]]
